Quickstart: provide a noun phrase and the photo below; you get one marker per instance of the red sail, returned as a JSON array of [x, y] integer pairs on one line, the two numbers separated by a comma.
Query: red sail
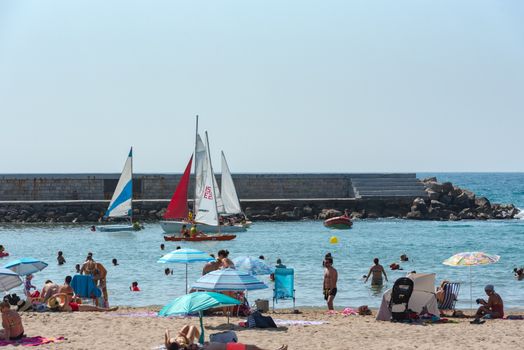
[[177, 208]]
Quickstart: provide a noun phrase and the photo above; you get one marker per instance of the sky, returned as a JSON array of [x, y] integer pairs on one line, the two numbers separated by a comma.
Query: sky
[[280, 86]]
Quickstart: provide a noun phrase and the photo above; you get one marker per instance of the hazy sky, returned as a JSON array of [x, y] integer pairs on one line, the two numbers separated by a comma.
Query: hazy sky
[[281, 86]]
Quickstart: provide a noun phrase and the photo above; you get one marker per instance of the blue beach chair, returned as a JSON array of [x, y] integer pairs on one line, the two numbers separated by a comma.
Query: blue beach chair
[[284, 285], [450, 296]]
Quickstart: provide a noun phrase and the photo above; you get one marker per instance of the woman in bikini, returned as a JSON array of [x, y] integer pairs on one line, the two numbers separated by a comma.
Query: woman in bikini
[[377, 270], [187, 336], [12, 323]]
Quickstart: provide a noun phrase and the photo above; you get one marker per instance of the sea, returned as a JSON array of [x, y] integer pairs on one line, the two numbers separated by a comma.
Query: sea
[[302, 246]]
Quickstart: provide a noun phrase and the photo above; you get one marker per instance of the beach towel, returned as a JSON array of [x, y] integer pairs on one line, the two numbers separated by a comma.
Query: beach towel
[[31, 341], [280, 322], [84, 286]]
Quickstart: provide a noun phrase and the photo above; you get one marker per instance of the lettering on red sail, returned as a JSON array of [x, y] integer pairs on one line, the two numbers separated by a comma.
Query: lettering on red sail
[[207, 193]]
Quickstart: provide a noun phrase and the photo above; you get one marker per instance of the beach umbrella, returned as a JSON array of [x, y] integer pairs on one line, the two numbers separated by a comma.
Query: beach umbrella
[[228, 280], [185, 256], [471, 259], [9, 279], [254, 266], [197, 302], [25, 266]]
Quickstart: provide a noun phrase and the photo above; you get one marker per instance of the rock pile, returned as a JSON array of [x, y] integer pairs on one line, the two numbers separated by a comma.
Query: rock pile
[[448, 202]]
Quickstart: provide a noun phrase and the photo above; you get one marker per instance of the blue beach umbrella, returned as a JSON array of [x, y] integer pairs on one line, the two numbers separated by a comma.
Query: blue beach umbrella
[[228, 279], [9, 279], [197, 302], [25, 266], [185, 256], [254, 266]]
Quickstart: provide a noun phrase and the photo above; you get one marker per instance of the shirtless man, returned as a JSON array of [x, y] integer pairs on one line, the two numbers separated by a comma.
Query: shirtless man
[[494, 307], [330, 282], [377, 270], [12, 323], [49, 289], [66, 288]]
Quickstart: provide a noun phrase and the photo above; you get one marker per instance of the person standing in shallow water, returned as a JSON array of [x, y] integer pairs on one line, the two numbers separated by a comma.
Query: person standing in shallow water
[[377, 270], [330, 282]]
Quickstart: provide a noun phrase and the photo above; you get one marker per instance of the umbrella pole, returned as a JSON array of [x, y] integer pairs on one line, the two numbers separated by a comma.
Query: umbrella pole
[[470, 290], [186, 278], [201, 339]]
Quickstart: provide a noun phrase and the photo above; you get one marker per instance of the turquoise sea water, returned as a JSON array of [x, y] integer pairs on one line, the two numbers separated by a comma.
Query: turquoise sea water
[[300, 245]]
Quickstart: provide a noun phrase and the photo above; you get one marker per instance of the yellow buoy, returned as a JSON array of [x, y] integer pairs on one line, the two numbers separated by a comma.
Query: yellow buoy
[[333, 240]]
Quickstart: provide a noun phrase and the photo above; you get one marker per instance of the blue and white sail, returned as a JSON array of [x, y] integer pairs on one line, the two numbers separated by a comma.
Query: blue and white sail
[[121, 203]]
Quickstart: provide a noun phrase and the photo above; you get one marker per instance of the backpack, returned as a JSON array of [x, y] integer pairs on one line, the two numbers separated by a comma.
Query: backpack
[[256, 319]]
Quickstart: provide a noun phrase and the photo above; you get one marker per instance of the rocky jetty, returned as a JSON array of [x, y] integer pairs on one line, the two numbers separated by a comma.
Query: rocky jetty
[[448, 202]]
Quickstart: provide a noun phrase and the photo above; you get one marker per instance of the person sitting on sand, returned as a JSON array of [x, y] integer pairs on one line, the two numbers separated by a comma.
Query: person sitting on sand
[[377, 270], [49, 289], [66, 287], [494, 307], [225, 262], [189, 334], [64, 302], [11, 323]]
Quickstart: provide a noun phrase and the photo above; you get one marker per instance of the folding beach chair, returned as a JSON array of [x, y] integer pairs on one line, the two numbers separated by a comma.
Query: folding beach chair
[[284, 285], [85, 288], [450, 296]]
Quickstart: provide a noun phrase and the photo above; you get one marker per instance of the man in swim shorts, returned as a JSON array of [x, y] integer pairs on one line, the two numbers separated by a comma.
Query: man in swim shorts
[[330, 282]]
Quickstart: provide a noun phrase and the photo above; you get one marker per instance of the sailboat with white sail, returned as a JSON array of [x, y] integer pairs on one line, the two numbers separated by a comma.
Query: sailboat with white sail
[[204, 181], [121, 205]]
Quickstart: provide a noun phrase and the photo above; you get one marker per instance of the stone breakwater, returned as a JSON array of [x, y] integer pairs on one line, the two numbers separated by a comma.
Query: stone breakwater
[[443, 202], [448, 202]]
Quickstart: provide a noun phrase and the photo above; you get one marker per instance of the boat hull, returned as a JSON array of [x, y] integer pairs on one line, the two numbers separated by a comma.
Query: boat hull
[[339, 223], [176, 226], [115, 228], [200, 239]]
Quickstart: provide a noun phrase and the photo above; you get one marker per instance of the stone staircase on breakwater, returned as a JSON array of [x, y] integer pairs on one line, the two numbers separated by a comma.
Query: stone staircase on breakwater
[[376, 186]]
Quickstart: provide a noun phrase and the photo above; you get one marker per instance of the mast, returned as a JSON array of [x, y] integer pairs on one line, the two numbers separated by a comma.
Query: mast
[[195, 187], [212, 173], [131, 214]]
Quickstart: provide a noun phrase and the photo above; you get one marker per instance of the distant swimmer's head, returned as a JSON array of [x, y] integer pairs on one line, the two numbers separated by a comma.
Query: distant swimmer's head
[[375, 261], [279, 261]]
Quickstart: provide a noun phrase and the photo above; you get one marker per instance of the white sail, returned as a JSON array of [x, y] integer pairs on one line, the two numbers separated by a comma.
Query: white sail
[[207, 207], [200, 164], [220, 203], [121, 202], [229, 192]]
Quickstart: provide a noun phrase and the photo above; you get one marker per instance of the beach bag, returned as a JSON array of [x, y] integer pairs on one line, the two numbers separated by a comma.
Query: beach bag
[[256, 319], [224, 337]]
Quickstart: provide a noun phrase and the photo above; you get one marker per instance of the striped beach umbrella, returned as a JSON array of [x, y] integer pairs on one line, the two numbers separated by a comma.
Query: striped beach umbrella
[[9, 280], [185, 256], [25, 266], [228, 279], [254, 266], [471, 259]]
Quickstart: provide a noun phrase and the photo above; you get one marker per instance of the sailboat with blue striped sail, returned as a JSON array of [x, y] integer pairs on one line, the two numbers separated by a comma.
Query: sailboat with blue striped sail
[[121, 205]]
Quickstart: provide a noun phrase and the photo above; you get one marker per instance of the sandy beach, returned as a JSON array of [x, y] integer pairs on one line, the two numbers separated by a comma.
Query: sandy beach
[[138, 328]]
